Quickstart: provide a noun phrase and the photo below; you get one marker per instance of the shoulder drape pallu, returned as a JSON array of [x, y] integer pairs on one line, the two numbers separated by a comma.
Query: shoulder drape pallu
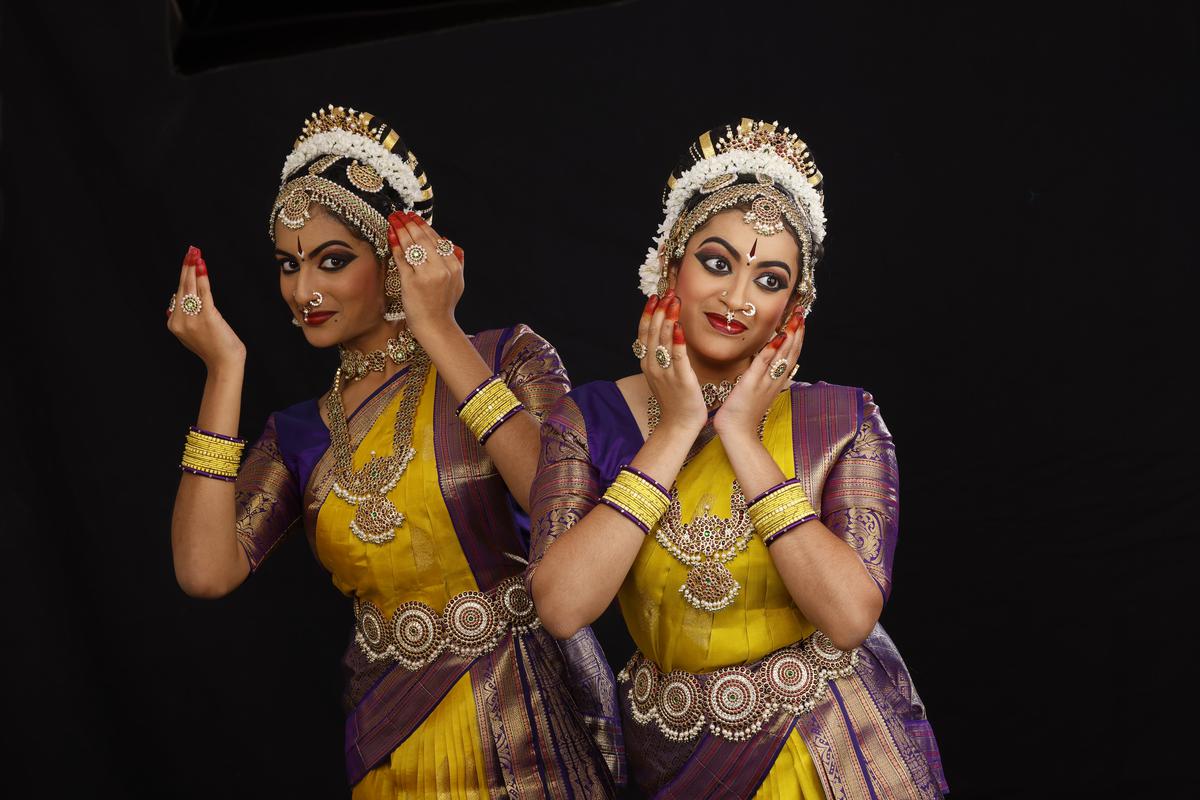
[[751, 700], [453, 689]]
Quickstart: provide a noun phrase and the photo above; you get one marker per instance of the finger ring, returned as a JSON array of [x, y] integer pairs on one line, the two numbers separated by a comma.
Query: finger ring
[[639, 349], [171, 305], [795, 369], [778, 367], [190, 304], [415, 255], [663, 356], [444, 247]]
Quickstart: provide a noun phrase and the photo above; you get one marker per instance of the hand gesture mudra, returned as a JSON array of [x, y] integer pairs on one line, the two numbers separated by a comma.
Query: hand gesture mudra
[[667, 368], [769, 372], [431, 272], [193, 317]]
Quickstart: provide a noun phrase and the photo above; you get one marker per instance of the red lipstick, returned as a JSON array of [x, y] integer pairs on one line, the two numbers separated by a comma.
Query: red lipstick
[[727, 327], [318, 317]]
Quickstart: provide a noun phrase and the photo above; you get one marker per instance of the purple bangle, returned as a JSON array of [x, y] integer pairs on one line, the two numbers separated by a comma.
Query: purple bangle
[[774, 488], [194, 429], [487, 434], [771, 539], [204, 474], [625, 514], [472, 393], [648, 479]]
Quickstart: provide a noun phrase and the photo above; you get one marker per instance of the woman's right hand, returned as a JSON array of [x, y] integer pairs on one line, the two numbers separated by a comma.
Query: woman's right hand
[[206, 333], [676, 386]]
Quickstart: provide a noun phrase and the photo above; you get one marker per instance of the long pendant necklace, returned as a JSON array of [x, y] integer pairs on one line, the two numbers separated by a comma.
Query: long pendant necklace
[[376, 518], [707, 543]]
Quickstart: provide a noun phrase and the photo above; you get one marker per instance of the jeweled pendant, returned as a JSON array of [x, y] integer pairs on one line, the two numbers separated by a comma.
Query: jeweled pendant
[[376, 519], [710, 586]]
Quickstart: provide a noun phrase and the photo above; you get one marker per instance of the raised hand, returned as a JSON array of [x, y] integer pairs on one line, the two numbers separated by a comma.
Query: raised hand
[[675, 385], [193, 317], [744, 408], [432, 287]]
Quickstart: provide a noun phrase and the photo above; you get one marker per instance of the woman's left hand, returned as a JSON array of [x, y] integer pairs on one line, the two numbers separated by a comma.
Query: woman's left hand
[[430, 289], [744, 408]]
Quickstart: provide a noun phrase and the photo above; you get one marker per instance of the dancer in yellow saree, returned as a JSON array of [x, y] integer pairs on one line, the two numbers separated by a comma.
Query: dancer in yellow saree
[[410, 478], [745, 523]]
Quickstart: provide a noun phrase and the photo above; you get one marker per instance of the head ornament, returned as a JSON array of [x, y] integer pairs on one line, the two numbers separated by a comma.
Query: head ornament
[[755, 165]]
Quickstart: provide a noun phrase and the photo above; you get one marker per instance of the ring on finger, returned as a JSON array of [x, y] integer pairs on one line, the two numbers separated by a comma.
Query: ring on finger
[[639, 349], [779, 367], [795, 369], [191, 305], [444, 247], [415, 255], [171, 305], [663, 356]]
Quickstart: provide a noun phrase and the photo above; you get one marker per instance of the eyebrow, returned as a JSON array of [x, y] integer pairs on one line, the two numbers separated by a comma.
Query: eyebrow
[[316, 249], [738, 256]]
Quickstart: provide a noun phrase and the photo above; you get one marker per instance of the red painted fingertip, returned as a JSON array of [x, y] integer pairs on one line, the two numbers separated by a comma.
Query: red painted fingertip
[[398, 218], [651, 304], [460, 253], [393, 239], [201, 267], [778, 340], [794, 322], [670, 295], [192, 253], [677, 335], [673, 311]]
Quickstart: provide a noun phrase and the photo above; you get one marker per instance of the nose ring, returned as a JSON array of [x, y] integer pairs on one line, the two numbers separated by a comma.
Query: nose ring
[[749, 310], [318, 298]]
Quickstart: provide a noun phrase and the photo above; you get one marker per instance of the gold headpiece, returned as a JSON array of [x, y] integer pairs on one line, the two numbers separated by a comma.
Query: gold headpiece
[[337, 118], [758, 136]]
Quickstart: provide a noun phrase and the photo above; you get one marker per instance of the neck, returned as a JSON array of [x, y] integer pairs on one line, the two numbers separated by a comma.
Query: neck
[[709, 371], [376, 338]]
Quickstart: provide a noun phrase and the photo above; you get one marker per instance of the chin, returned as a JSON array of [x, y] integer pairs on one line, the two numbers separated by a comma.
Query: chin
[[720, 348]]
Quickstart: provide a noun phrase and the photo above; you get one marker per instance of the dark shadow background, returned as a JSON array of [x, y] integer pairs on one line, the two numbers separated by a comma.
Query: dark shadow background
[[1012, 205]]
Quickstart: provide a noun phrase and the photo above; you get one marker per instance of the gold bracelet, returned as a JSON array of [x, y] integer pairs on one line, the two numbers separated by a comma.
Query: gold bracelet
[[488, 407], [212, 455], [779, 510], [639, 497]]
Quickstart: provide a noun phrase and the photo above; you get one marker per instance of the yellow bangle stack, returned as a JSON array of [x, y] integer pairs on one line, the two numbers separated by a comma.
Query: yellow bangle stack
[[488, 407], [780, 509], [638, 496], [212, 455]]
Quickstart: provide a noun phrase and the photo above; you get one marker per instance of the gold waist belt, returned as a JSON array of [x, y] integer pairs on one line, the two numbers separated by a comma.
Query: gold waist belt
[[471, 624], [734, 702]]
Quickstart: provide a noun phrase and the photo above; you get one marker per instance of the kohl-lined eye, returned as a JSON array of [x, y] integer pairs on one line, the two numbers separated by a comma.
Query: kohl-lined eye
[[287, 266], [335, 261], [714, 262], [771, 282]]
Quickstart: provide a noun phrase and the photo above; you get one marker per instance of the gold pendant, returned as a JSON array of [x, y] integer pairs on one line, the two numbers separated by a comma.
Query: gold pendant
[[376, 518], [710, 586]]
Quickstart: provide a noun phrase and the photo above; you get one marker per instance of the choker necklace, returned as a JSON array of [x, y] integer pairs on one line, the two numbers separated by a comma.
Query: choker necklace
[[714, 393], [356, 364], [375, 517]]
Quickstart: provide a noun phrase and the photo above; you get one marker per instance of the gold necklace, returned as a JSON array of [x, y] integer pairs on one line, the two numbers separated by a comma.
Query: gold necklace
[[375, 516], [356, 364], [714, 393], [708, 542]]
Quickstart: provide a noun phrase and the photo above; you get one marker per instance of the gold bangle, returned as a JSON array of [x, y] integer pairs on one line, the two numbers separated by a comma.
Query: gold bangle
[[779, 510], [487, 407], [212, 455], [639, 497]]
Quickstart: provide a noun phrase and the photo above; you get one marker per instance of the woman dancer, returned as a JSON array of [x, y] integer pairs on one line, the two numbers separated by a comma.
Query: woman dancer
[[753, 584], [406, 477]]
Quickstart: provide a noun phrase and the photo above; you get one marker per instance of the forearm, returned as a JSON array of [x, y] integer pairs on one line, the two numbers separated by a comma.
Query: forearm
[[824, 576], [208, 560], [513, 447], [582, 571]]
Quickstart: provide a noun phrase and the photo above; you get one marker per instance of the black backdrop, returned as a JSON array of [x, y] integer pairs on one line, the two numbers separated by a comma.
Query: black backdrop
[[1012, 213]]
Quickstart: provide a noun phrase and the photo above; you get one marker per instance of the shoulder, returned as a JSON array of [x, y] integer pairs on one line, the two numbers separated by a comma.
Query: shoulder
[[835, 399], [515, 344]]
